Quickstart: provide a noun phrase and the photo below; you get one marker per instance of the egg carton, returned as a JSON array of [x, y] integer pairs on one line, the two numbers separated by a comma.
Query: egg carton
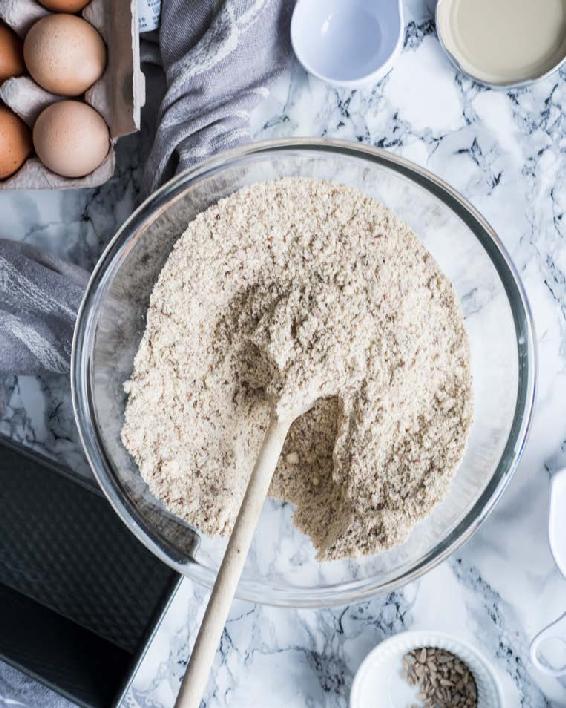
[[118, 95]]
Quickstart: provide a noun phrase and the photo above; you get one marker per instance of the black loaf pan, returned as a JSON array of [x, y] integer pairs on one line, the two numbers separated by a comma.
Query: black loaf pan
[[80, 597]]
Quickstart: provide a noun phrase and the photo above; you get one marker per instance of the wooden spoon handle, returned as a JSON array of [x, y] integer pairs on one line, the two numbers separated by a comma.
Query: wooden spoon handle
[[210, 632]]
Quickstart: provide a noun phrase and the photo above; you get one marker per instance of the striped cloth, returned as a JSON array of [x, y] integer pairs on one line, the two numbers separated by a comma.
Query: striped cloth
[[219, 58], [39, 299]]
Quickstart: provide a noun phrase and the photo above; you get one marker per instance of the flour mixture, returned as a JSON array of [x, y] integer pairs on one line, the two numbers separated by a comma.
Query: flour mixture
[[284, 292]]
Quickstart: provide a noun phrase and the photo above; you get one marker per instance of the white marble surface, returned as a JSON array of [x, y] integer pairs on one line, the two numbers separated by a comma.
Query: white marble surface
[[506, 152]]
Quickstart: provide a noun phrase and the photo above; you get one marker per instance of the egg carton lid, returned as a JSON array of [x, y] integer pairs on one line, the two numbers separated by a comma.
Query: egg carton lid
[[118, 95]]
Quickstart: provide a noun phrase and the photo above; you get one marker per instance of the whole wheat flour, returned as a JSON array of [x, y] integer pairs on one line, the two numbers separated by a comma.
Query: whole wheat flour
[[283, 293]]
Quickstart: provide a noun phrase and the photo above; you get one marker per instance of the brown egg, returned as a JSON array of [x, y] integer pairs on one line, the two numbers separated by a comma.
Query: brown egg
[[64, 5], [71, 138], [15, 142], [64, 54], [11, 59]]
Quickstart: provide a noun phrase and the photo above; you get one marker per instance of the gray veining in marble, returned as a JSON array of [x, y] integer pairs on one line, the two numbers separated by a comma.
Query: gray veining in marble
[[506, 152]]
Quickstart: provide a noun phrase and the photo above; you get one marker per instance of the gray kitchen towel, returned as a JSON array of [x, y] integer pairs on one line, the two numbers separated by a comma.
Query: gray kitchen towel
[[39, 299], [218, 58]]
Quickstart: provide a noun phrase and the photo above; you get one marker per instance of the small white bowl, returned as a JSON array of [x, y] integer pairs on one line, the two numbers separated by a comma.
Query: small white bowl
[[379, 682], [348, 43]]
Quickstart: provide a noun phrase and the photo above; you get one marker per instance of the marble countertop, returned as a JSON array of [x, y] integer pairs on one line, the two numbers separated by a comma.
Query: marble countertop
[[506, 152]]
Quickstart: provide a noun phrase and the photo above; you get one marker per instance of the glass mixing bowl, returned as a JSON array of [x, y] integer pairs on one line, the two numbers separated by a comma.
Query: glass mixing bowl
[[282, 568]]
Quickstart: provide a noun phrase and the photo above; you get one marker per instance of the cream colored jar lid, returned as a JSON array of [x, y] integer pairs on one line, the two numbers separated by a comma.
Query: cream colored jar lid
[[504, 42]]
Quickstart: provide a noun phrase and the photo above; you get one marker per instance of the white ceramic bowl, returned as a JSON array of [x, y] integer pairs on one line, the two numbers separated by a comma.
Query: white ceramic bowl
[[348, 43], [379, 682]]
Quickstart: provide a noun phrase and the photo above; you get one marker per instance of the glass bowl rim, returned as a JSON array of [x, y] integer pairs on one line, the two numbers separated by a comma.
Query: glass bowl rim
[[340, 593]]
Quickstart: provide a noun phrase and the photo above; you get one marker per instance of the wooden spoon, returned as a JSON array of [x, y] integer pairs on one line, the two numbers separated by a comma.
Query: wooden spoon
[[210, 632]]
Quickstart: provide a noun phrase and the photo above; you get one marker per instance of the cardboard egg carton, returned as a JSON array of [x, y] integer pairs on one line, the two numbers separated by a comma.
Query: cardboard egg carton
[[118, 95]]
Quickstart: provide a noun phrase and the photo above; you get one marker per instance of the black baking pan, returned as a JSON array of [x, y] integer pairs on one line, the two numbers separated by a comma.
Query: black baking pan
[[80, 597]]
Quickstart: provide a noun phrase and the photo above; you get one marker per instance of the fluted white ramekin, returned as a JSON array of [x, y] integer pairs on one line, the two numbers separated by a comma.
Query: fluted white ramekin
[[380, 683]]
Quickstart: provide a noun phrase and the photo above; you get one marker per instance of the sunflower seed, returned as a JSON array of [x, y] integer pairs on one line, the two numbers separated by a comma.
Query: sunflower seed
[[443, 680]]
